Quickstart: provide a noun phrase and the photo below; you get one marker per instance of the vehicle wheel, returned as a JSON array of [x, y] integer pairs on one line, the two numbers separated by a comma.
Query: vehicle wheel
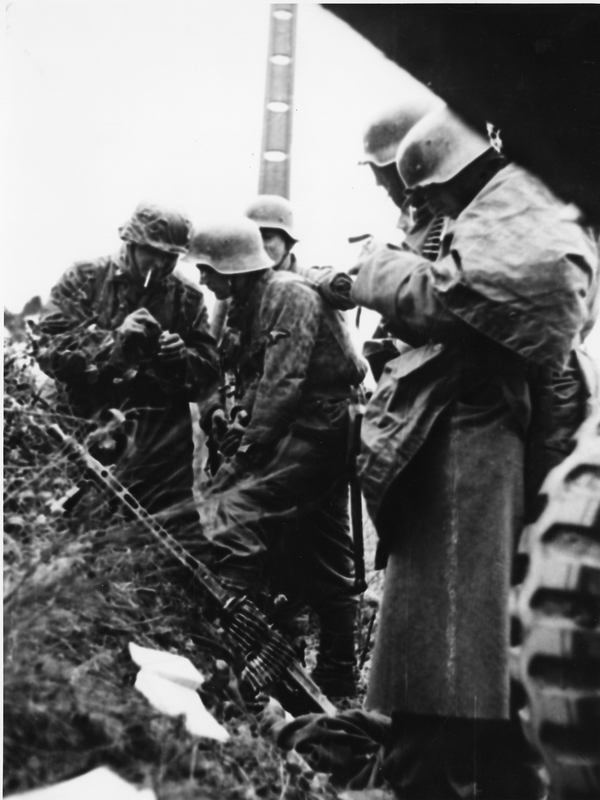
[[555, 615]]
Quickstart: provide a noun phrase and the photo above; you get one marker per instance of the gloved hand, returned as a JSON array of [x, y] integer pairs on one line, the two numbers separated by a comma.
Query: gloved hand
[[139, 323], [207, 410], [235, 433], [138, 334], [218, 424], [335, 289], [171, 346], [380, 272]]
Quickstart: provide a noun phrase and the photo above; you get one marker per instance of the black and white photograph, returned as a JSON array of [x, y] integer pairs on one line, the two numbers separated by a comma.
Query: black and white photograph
[[301, 400]]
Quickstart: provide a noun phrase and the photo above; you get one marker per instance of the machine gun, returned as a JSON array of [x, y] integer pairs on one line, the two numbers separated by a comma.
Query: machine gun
[[270, 664]]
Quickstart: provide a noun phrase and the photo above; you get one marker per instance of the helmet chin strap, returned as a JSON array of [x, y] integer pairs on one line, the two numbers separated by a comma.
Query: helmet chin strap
[[287, 255]]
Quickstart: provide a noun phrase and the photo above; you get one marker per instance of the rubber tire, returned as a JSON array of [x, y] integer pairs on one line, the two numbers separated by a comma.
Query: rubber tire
[[555, 614]]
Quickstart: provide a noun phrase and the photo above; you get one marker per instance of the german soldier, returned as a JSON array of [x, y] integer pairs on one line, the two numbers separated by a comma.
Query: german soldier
[[284, 490], [124, 332], [381, 140], [443, 455]]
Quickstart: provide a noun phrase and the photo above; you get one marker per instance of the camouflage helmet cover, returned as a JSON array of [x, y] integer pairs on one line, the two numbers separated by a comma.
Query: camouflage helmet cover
[[272, 211], [230, 247], [438, 147], [157, 227], [388, 129]]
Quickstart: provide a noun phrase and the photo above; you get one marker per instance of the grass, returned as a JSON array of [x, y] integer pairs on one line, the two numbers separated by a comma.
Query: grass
[[78, 589]]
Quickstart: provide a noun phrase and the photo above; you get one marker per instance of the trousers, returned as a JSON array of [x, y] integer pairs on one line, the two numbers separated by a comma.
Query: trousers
[[287, 524]]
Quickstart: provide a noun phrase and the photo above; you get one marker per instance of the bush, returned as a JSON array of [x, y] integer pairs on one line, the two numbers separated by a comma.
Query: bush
[[78, 589]]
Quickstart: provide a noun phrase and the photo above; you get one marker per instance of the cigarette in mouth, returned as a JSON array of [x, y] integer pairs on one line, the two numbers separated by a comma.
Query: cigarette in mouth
[[148, 276]]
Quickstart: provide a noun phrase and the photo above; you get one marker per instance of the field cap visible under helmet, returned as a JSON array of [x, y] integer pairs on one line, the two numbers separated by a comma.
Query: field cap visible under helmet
[[230, 247], [272, 211], [388, 129], [158, 227], [438, 147]]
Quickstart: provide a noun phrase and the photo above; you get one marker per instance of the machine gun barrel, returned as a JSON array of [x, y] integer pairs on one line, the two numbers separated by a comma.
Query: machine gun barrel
[[269, 658]]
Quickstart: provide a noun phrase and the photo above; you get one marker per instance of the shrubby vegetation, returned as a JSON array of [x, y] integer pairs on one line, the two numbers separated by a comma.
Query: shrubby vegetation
[[78, 589]]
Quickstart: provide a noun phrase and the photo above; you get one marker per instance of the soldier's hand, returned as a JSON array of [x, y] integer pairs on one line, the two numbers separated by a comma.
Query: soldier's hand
[[137, 336], [235, 433], [140, 323], [170, 346], [336, 289], [379, 276], [207, 413], [218, 424]]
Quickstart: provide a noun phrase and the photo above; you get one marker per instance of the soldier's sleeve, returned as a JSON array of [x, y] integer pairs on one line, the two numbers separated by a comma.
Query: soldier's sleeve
[[71, 346], [333, 286], [535, 308], [196, 373], [290, 323], [399, 285]]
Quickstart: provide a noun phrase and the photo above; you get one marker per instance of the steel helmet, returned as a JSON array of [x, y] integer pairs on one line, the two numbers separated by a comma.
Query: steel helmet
[[230, 247], [438, 147], [384, 134], [272, 211], [157, 227]]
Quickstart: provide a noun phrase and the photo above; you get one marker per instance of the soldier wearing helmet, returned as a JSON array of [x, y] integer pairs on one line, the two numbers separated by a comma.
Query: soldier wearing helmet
[[274, 217], [444, 442], [381, 140], [383, 136], [124, 332], [283, 486]]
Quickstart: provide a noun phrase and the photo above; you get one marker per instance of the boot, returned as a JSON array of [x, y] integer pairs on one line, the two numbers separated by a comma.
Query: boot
[[430, 757], [336, 673]]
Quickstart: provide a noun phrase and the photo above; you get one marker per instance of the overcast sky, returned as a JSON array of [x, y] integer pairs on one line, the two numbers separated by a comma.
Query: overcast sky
[[114, 101]]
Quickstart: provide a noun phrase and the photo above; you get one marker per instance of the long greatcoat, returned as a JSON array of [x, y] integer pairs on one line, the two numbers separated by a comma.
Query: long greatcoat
[[442, 464]]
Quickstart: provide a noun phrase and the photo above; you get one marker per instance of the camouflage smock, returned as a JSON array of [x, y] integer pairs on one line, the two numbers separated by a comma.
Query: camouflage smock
[[78, 346], [292, 358], [332, 285]]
